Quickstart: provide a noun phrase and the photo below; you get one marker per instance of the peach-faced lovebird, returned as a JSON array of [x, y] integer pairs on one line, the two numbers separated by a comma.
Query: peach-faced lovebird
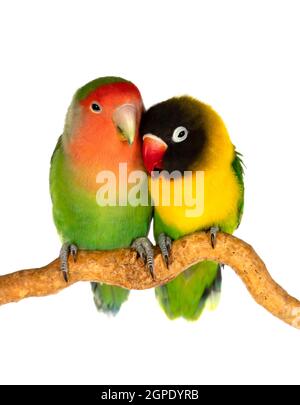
[[100, 133], [187, 137]]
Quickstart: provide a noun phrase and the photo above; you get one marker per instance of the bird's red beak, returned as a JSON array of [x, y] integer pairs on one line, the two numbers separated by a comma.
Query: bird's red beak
[[154, 149]]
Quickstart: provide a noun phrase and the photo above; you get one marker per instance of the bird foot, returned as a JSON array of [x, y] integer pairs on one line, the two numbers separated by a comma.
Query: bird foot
[[213, 235], [67, 249], [165, 244], [144, 248]]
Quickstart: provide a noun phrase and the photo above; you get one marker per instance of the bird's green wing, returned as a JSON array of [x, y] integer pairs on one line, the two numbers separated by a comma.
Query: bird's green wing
[[58, 145], [238, 168]]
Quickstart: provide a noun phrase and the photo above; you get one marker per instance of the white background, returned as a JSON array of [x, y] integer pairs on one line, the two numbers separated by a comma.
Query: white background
[[242, 57]]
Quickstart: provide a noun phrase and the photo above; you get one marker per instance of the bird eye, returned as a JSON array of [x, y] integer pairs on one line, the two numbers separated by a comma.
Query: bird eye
[[96, 108], [180, 134]]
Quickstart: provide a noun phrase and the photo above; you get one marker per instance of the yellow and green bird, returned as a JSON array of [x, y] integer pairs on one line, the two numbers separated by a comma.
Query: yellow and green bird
[[101, 132], [185, 136]]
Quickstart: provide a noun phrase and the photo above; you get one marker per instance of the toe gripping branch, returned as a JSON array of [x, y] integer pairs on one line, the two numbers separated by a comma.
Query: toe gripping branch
[[144, 248], [67, 250]]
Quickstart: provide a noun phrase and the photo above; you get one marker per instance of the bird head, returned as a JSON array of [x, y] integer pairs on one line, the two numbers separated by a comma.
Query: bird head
[[102, 125], [107, 104], [173, 135], [183, 134]]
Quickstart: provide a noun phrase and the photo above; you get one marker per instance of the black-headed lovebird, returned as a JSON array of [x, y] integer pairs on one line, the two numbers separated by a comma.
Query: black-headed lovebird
[[187, 137], [100, 133]]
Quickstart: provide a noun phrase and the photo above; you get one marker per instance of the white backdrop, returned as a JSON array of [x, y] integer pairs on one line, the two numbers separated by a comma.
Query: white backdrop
[[240, 57]]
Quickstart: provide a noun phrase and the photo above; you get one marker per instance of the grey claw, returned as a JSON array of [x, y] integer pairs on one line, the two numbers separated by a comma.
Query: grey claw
[[74, 252], [165, 244], [213, 235], [151, 269], [66, 250], [66, 277], [144, 248]]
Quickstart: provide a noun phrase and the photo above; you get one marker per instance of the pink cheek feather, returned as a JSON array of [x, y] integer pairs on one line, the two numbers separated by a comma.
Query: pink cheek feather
[[97, 146]]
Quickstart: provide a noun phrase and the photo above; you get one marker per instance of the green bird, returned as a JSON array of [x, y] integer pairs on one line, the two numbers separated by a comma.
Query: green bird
[[100, 133], [186, 137]]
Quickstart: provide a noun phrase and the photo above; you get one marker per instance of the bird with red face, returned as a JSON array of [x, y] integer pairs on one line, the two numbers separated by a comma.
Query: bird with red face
[[101, 132]]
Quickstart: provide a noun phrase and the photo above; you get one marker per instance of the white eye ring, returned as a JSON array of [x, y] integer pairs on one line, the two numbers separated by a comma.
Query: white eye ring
[[95, 107], [180, 134]]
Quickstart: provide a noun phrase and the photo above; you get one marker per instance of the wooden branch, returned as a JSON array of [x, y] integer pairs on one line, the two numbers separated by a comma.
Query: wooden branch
[[121, 267]]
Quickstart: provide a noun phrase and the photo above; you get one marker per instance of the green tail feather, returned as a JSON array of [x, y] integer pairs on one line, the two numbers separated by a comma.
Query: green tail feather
[[192, 291], [108, 299]]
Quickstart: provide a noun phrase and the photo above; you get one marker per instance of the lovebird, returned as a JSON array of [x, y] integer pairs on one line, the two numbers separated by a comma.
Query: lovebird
[[100, 133], [185, 137]]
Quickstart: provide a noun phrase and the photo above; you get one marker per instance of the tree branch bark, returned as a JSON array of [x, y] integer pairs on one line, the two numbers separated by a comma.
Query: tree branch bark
[[122, 268]]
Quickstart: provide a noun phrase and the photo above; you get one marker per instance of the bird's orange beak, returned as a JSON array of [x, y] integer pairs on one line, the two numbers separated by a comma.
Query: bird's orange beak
[[154, 149]]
